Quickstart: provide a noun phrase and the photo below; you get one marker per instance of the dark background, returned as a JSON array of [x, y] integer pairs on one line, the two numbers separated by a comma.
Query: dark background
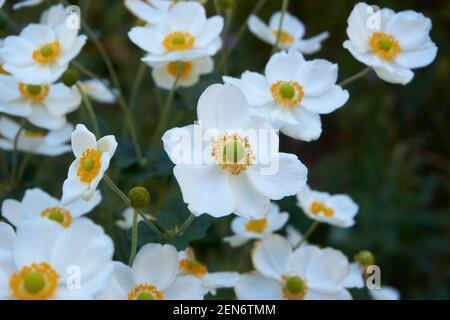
[[388, 147]]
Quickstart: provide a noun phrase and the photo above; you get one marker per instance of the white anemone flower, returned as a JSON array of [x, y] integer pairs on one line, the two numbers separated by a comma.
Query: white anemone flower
[[41, 54], [37, 204], [185, 35], [153, 276], [308, 273], [54, 16], [127, 221], [229, 161], [338, 210], [99, 90], [385, 293], [52, 143], [293, 93], [40, 260], [248, 229], [211, 281], [26, 3], [92, 160], [391, 43], [44, 105], [291, 36], [164, 73]]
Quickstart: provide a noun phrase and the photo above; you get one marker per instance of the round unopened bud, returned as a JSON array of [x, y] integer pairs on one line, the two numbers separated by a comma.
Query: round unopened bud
[[139, 197], [365, 258], [226, 4], [70, 77]]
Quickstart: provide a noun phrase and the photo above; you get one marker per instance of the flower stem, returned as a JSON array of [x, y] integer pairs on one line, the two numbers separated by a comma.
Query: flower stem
[[125, 199], [13, 24], [136, 86], [134, 235], [23, 166], [308, 233], [184, 226], [284, 7], [14, 153], [354, 77], [90, 110], [239, 35]]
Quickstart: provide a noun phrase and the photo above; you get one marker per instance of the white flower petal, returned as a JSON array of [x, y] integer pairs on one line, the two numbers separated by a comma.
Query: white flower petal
[[385, 293], [260, 29], [147, 39], [107, 144], [284, 66], [211, 31], [271, 256], [254, 286], [82, 139], [187, 16], [81, 207], [308, 126], [311, 45], [254, 86], [317, 77], [291, 24], [328, 102], [185, 288]]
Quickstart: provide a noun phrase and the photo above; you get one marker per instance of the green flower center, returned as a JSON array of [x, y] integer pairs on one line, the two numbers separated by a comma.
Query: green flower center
[[34, 283], [145, 296], [179, 40], [88, 163], [57, 216], [34, 89], [234, 151], [287, 90], [46, 51], [295, 285], [384, 44]]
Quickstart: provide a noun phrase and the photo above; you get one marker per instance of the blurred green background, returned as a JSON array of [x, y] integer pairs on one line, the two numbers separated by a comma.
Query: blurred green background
[[388, 147]]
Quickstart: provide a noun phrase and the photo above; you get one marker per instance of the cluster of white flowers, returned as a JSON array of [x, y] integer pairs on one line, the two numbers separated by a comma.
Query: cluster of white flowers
[[228, 162]]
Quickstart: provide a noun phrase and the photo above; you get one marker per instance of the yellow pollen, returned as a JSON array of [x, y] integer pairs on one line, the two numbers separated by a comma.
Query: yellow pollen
[[256, 225], [34, 93], [318, 207], [294, 287], [185, 68], [89, 165], [60, 215], [178, 41], [384, 45], [287, 93], [232, 153], [285, 37], [47, 53], [193, 267], [35, 282], [145, 292]]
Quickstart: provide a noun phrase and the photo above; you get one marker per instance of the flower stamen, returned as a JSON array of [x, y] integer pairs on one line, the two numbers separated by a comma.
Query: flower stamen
[[256, 225], [193, 267], [318, 207], [233, 153], [294, 287], [57, 214], [184, 68], [34, 93], [285, 37], [178, 41], [384, 45], [35, 282], [47, 53], [89, 165], [287, 93], [145, 292]]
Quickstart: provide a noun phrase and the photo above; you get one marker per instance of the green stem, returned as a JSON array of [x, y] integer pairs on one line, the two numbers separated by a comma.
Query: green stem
[[90, 110], [23, 167], [184, 226], [239, 35], [125, 199], [13, 24], [137, 86], [308, 233], [14, 153], [284, 7], [134, 235], [354, 77], [85, 71]]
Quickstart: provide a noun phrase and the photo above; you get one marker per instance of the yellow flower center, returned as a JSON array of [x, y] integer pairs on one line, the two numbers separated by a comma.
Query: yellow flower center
[[47, 53], [3, 71], [256, 225], [287, 93], [89, 165], [318, 207], [294, 288], [60, 215], [33, 133], [232, 153], [145, 292], [183, 67], [193, 267], [35, 282], [384, 45], [33, 93], [285, 37], [178, 41]]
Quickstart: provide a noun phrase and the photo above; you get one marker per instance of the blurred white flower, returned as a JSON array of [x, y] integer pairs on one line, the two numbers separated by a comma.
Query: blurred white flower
[[239, 168], [54, 16], [391, 43], [338, 210], [2, 2], [40, 54], [37, 204], [355, 279], [153, 276], [92, 160], [211, 281], [26, 3], [52, 143], [292, 32], [185, 35], [99, 90], [308, 273], [294, 236], [248, 229], [127, 221], [385, 293], [46, 261], [44, 105], [293, 93], [164, 73]]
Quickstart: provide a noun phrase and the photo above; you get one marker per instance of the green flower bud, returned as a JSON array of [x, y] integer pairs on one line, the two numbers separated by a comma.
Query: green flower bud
[[139, 197], [70, 77], [365, 258]]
